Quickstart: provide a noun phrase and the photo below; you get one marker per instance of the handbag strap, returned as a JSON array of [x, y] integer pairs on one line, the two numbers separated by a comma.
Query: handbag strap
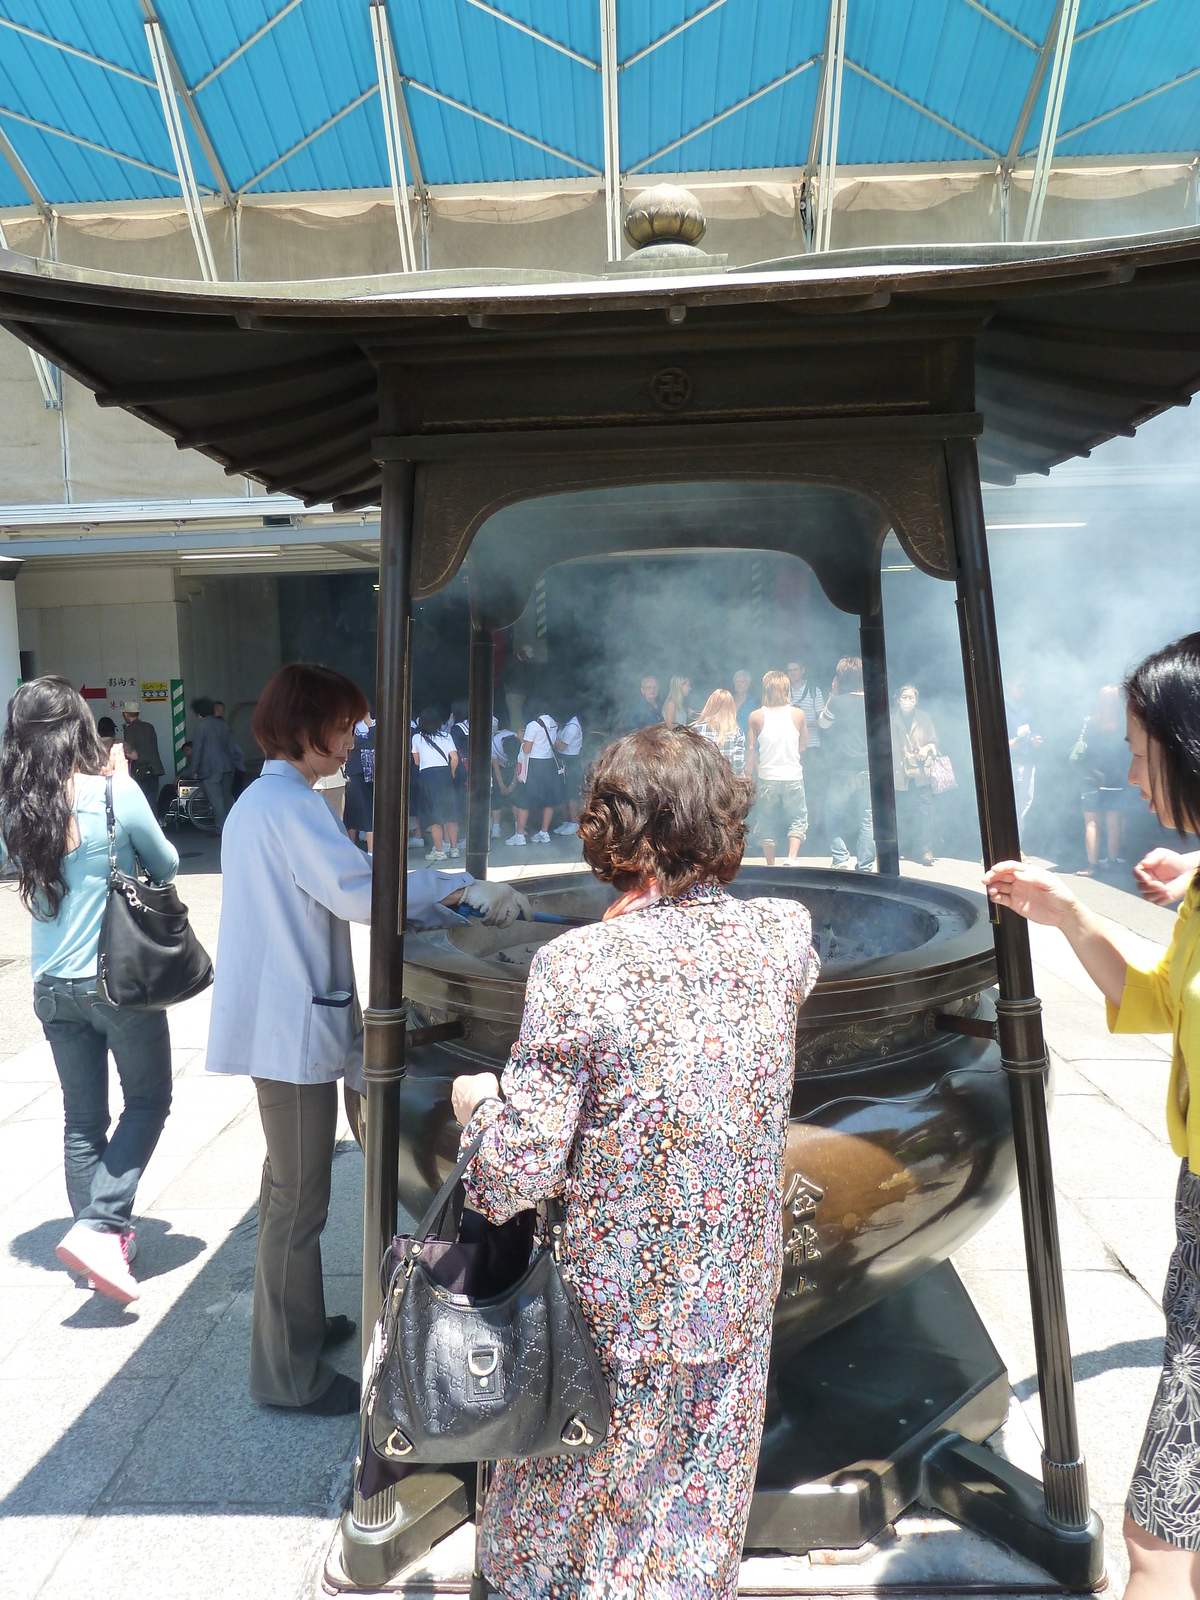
[[113, 868], [437, 1206]]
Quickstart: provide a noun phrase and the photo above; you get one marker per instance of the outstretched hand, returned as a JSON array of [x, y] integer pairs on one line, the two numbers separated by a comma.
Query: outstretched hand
[[1031, 892], [117, 761], [1163, 876]]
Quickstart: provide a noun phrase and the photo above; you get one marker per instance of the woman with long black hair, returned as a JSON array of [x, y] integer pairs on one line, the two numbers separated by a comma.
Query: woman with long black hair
[[54, 773], [1162, 727]]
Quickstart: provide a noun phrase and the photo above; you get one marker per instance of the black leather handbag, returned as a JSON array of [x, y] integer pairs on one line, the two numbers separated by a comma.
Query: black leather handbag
[[148, 956], [458, 1378]]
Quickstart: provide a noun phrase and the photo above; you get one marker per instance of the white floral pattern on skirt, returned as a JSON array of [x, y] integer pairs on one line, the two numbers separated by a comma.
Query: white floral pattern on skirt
[[1164, 1496]]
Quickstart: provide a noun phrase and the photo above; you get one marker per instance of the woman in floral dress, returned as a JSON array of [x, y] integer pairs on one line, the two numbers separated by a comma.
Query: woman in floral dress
[[650, 1088]]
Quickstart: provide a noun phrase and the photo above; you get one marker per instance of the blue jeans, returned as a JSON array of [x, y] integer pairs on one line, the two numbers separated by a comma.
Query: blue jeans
[[781, 811], [848, 815], [102, 1173]]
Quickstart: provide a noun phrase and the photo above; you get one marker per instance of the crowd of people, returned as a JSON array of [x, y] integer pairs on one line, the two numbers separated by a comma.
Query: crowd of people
[[806, 749], [651, 1081]]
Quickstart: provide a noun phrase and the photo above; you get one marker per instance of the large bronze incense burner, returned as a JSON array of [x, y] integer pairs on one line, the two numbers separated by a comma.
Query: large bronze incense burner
[[523, 420], [901, 1142]]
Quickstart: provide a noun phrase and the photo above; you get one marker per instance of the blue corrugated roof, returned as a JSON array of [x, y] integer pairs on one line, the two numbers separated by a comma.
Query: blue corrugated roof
[[512, 89]]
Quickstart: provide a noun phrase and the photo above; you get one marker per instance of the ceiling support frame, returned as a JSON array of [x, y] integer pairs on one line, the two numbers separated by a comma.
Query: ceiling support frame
[[830, 111], [179, 149], [1068, 18], [24, 179], [389, 93], [612, 127]]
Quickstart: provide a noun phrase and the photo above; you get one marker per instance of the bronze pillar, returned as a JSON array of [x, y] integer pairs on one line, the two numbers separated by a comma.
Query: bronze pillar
[[879, 742], [384, 1533], [1018, 1009], [479, 748]]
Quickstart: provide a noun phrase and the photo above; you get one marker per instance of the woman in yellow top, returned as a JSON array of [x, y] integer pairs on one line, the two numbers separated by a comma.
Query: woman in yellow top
[[1162, 711]]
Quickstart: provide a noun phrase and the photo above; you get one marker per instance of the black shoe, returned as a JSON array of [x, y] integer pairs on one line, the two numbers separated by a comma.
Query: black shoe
[[337, 1330], [343, 1398]]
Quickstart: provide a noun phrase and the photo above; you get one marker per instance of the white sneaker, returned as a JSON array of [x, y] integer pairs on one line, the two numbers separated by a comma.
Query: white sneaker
[[435, 855], [100, 1256], [495, 830], [518, 841], [565, 828], [454, 852], [540, 837]]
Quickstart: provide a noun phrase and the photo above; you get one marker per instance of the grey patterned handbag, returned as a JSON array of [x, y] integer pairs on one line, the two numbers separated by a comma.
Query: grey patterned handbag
[[457, 1378]]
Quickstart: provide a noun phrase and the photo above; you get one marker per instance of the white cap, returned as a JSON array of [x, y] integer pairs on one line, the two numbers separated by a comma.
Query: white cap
[[131, 705]]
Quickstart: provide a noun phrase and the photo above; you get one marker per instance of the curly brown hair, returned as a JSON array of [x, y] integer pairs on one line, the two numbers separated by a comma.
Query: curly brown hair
[[664, 804]]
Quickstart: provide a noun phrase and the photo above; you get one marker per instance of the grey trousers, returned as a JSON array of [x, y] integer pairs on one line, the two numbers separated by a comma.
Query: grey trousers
[[288, 1330], [220, 796]]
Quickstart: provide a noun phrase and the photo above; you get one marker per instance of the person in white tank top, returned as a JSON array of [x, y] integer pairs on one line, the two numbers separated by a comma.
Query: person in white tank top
[[778, 733]]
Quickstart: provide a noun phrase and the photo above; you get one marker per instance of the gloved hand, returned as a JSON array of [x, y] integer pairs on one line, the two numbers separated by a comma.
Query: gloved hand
[[499, 902]]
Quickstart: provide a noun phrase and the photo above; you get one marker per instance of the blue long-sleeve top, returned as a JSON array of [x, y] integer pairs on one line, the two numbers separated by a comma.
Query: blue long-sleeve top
[[65, 946]]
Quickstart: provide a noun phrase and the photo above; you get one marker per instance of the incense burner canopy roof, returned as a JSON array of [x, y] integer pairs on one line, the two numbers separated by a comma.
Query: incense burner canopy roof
[[299, 385]]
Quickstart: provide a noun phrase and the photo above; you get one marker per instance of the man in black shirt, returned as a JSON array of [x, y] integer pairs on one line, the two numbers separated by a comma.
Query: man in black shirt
[[644, 712], [843, 724]]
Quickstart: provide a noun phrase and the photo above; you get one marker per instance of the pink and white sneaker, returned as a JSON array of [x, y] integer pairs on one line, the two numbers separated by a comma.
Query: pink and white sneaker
[[102, 1258]]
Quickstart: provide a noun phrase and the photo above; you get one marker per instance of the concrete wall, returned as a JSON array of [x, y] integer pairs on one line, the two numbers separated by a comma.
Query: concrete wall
[[112, 628], [228, 631]]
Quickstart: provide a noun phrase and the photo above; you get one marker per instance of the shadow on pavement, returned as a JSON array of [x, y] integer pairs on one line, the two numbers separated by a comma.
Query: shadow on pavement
[[170, 1429], [1112, 1358]]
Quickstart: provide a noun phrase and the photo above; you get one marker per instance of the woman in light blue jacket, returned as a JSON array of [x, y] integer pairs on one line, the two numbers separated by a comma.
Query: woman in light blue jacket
[[53, 822], [285, 1011]]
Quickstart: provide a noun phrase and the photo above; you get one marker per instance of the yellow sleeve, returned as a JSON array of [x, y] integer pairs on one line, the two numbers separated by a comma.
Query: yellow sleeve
[[1147, 1005]]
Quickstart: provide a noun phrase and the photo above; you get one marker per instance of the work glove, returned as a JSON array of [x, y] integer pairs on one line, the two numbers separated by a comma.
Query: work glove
[[499, 903]]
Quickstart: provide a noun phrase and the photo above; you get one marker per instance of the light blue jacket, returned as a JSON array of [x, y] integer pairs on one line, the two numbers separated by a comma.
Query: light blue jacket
[[284, 1004], [65, 947]]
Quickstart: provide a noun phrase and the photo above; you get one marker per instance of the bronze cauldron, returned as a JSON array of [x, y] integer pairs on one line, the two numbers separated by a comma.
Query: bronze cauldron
[[900, 1145]]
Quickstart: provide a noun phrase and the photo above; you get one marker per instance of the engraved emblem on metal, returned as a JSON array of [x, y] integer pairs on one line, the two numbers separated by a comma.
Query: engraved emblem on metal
[[802, 1197], [671, 388], [802, 1245]]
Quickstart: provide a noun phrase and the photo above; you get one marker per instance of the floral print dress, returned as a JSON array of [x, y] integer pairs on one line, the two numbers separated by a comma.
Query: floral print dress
[[650, 1087]]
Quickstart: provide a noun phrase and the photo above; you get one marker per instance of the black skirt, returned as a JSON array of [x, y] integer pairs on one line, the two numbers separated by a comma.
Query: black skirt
[[542, 787], [435, 797], [360, 804]]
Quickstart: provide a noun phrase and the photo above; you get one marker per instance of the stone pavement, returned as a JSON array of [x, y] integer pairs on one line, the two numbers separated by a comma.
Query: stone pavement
[[131, 1458]]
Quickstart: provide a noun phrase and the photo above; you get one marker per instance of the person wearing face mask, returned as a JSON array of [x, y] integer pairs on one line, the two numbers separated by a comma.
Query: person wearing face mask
[[285, 1010], [1162, 721], [914, 745]]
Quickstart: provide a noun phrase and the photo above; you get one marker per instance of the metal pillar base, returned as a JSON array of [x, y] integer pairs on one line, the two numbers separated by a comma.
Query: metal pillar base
[[982, 1491], [889, 1410], [427, 1506]]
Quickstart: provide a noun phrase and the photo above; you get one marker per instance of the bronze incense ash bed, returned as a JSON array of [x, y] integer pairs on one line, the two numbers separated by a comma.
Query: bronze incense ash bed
[[521, 420]]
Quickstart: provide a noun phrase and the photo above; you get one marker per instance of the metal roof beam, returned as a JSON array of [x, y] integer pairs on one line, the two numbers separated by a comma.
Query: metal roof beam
[[612, 127], [532, 33], [1055, 89], [71, 50], [1007, 27], [389, 92], [189, 104], [23, 178], [776, 83], [673, 33], [48, 376], [308, 138], [831, 115], [1117, 16], [960, 133], [502, 127], [86, 144], [245, 45], [1128, 105], [179, 149], [1034, 89]]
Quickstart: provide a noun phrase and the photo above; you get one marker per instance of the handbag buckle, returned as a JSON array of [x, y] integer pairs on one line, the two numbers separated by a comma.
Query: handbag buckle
[[483, 1361], [577, 1432], [397, 1444]]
